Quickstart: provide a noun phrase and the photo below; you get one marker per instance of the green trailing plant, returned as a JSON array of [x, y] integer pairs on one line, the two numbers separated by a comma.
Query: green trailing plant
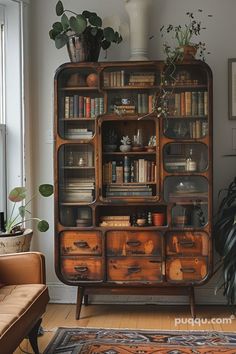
[[87, 23], [184, 35], [225, 241], [16, 221]]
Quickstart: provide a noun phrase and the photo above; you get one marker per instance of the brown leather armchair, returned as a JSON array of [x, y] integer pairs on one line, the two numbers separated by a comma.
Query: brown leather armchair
[[23, 299]]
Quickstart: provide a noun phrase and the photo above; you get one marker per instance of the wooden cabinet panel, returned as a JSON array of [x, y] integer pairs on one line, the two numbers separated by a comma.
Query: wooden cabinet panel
[[134, 269], [186, 269], [128, 243], [187, 243], [82, 268], [81, 242]]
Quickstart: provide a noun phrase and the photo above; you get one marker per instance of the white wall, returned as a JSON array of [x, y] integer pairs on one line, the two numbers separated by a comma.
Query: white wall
[[45, 58]]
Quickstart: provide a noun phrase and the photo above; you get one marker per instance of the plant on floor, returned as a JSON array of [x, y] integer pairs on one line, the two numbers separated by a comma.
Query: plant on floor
[[15, 223], [225, 241], [88, 24]]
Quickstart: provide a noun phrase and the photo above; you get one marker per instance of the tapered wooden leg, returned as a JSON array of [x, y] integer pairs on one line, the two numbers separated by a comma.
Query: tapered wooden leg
[[33, 337], [80, 294], [192, 302], [86, 300]]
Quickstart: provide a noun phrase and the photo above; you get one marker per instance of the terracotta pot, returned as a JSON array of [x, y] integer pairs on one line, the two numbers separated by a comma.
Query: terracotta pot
[[158, 219], [189, 51], [16, 244]]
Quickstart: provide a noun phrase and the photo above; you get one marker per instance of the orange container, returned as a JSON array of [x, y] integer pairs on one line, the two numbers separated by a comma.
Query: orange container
[[158, 219]]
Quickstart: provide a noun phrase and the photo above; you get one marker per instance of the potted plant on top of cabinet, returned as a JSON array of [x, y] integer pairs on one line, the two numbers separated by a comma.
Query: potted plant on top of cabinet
[[82, 34], [14, 237]]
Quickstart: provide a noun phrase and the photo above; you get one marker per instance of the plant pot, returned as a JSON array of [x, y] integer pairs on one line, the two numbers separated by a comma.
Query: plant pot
[[189, 51], [16, 244], [83, 48], [125, 148]]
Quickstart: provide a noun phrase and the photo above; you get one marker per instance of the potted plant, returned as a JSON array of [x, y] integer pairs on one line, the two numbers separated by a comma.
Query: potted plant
[[16, 238], [82, 34], [225, 242], [126, 144], [186, 43]]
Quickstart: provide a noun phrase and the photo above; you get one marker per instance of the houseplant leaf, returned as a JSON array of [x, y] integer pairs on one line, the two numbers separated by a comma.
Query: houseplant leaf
[[61, 40], [78, 24], [95, 20], [59, 8], [65, 22], [17, 194], [57, 26], [22, 211], [46, 190], [109, 34], [43, 226]]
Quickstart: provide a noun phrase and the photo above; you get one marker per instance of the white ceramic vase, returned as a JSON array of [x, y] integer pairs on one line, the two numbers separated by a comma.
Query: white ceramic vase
[[139, 12]]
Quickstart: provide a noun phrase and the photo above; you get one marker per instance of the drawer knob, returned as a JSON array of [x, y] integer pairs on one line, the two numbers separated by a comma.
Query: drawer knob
[[133, 243], [134, 269], [81, 269], [187, 244], [187, 270], [81, 244]]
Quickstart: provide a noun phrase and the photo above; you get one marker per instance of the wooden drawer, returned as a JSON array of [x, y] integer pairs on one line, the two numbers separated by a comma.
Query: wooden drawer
[[138, 243], [134, 269], [82, 268], [186, 269], [187, 243], [81, 242]]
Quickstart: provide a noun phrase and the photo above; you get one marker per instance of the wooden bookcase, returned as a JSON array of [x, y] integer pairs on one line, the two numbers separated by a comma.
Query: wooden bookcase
[[137, 221]]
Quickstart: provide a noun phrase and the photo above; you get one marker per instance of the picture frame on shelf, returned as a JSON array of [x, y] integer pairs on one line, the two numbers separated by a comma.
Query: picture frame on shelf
[[232, 88]]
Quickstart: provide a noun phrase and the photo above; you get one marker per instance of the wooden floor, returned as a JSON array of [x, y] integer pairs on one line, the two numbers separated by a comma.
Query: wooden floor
[[131, 316]]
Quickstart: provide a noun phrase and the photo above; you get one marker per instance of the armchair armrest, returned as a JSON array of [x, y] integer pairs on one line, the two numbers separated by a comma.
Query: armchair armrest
[[22, 268]]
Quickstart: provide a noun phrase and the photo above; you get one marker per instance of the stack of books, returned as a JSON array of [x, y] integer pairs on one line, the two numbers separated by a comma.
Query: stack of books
[[78, 133], [78, 190], [115, 220], [128, 190], [142, 79]]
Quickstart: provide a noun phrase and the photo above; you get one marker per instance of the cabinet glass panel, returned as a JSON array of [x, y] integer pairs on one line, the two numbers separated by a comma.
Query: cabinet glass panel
[[75, 216], [185, 128], [193, 215], [131, 91], [129, 158], [79, 103], [185, 189], [183, 157], [76, 174]]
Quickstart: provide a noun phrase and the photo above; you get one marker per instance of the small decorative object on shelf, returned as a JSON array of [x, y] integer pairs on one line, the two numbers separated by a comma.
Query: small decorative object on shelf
[[126, 144]]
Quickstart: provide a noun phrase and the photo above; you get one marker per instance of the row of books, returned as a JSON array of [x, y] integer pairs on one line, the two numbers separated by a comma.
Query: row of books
[[140, 170], [83, 107], [145, 103], [78, 190], [188, 103], [114, 78], [136, 190], [198, 129]]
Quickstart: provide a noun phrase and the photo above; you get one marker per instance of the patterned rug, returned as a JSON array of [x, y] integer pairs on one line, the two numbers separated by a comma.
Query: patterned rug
[[112, 341]]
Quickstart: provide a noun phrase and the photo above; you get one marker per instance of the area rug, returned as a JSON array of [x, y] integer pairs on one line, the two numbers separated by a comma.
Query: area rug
[[116, 341]]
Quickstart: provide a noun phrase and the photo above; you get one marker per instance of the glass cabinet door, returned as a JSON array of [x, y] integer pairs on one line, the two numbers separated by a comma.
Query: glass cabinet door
[[185, 157], [76, 174]]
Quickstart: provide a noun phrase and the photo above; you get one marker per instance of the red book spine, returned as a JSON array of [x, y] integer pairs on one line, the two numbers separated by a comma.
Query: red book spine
[[88, 107]]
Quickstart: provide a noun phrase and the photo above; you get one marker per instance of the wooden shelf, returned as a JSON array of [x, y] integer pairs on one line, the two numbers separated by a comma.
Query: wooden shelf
[[119, 153], [79, 88]]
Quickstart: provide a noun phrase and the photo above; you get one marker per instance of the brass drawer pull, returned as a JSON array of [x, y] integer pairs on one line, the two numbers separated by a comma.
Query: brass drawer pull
[[188, 270], [81, 244], [81, 269], [134, 269], [187, 243], [133, 243]]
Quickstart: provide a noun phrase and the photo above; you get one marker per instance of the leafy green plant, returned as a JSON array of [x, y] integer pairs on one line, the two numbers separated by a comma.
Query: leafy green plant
[[16, 221], [225, 241], [87, 23]]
